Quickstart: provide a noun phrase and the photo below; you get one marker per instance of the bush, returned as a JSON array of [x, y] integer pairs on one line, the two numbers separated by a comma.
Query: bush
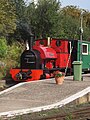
[[3, 47], [9, 59], [14, 51]]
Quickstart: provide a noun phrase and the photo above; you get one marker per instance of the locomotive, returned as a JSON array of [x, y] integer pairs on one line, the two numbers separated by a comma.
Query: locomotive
[[40, 60]]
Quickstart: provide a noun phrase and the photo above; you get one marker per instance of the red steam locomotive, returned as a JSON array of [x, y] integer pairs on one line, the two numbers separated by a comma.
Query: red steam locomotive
[[42, 59]]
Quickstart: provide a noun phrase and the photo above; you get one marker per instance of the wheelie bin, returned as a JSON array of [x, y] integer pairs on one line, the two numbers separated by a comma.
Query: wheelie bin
[[77, 69]]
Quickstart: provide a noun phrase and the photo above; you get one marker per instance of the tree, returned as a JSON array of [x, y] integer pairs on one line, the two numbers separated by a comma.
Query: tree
[[7, 17], [45, 16], [31, 16], [21, 20], [20, 10], [70, 23], [72, 11], [68, 27]]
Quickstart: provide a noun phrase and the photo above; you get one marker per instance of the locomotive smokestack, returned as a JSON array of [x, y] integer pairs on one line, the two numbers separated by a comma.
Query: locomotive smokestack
[[30, 41]]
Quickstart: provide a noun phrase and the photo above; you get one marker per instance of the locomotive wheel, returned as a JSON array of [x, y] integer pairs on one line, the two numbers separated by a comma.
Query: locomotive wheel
[[42, 76], [10, 82]]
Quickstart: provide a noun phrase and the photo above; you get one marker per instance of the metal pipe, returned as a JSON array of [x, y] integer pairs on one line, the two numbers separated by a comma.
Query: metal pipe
[[81, 34]]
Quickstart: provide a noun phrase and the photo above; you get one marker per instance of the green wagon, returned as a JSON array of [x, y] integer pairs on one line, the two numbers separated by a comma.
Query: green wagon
[[83, 56]]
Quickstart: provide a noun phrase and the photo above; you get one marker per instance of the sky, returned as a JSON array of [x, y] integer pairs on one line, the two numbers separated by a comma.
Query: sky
[[85, 4]]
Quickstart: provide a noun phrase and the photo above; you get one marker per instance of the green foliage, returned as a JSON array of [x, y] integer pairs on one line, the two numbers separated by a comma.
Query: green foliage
[[59, 74], [48, 19], [32, 16], [71, 23], [3, 47], [10, 58], [22, 21], [69, 117], [5, 66], [45, 16], [20, 10], [68, 27], [13, 51], [7, 17]]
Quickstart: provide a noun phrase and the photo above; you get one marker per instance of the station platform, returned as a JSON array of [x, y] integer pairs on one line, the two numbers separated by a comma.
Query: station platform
[[28, 97]]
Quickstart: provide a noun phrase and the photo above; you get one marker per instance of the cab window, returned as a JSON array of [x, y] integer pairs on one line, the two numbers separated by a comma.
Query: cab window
[[85, 49]]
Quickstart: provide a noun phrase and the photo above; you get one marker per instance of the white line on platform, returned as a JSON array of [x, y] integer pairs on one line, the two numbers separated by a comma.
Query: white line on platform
[[56, 105], [18, 85], [11, 88]]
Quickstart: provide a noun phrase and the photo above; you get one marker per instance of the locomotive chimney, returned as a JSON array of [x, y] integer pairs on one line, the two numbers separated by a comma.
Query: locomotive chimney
[[30, 41]]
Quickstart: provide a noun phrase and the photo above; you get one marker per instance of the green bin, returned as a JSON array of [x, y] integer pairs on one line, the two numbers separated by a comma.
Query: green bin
[[77, 67]]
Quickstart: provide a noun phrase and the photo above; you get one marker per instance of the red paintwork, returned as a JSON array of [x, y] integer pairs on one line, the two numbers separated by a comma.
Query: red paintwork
[[37, 42], [35, 74], [62, 48], [62, 53], [62, 60], [46, 52]]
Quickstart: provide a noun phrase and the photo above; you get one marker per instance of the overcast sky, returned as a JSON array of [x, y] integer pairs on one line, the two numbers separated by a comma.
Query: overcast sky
[[85, 4]]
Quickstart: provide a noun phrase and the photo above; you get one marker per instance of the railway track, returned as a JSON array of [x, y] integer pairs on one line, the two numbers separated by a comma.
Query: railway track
[[82, 113]]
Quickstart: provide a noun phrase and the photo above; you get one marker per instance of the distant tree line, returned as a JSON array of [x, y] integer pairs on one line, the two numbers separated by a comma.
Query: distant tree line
[[45, 18]]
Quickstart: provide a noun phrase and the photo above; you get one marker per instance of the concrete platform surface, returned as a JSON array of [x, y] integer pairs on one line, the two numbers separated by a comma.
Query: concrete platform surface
[[40, 93]]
